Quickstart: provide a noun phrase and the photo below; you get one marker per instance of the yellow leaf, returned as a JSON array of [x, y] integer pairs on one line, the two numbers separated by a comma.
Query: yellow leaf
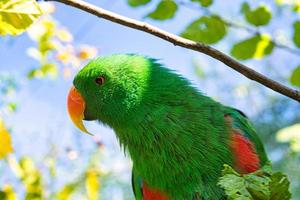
[[17, 15], [31, 179], [42, 30], [66, 192], [290, 134], [9, 193], [5, 141], [87, 52], [92, 184], [261, 47], [64, 35], [65, 54]]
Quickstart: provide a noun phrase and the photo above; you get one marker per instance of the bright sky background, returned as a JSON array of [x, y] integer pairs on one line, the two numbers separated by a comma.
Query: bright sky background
[[41, 119]]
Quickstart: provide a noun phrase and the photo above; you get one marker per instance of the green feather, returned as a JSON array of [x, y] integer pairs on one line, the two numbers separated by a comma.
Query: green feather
[[177, 137]]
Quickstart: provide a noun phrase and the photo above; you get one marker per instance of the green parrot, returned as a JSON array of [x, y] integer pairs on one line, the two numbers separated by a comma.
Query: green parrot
[[178, 138]]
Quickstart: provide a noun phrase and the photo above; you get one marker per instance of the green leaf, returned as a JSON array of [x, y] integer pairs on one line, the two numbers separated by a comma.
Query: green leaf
[[12, 107], [16, 16], [295, 77], [245, 7], [135, 3], [233, 184], [296, 36], [262, 184], [279, 187], [166, 9], [256, 47], [34, 73], [258, 186], [258, 17], [207, 29], [204, 3]]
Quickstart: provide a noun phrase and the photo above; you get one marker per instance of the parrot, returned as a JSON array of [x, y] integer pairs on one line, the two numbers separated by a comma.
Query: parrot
[[178, 138]]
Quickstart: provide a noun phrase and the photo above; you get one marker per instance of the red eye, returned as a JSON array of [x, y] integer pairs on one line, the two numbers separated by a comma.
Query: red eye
[[100, 80]]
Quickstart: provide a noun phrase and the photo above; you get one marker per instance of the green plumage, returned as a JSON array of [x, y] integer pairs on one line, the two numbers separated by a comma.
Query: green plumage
[[177, 138]]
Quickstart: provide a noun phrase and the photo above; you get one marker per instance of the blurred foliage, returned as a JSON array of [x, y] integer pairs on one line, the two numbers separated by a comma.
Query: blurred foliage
[[260, 16], [295, 77], [31, 178], [16, 16], [277, 115], [264, 184], [255, 47], [204, 3], [8, 87], [294, 4], [135, 3], [56, 54], [7, 193], [5, 140], [206, 29], [67, 191], [54, 47], [212, 28], [290, 134], [164, 10], [297, 33], [92, 183], [90, 179]]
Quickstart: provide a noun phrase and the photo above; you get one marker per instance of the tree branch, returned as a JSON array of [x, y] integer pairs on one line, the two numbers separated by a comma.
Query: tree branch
[[176, 40]]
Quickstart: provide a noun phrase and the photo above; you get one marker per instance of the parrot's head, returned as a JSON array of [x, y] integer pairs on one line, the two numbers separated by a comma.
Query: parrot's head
[[108, 88]]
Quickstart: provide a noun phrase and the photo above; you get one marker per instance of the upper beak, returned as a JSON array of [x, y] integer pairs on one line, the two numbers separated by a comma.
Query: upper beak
[[76, 107]]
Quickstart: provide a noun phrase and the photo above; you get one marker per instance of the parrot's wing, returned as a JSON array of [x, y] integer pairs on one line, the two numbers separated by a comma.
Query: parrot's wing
[[142, 191], [136, 182], [247, 147]]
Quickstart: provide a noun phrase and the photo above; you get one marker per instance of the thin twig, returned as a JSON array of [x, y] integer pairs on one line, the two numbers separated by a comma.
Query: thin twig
[[176, 40]]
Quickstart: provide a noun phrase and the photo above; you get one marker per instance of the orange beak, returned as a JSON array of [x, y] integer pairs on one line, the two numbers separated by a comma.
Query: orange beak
[[76, 107]]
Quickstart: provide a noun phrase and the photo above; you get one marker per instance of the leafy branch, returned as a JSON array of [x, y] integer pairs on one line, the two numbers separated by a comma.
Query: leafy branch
[[236, 25], [262, 184], [176, 40]]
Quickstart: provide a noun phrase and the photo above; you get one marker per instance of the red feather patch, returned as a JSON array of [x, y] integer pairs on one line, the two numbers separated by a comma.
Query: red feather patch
[[152, 194], [246, 159]]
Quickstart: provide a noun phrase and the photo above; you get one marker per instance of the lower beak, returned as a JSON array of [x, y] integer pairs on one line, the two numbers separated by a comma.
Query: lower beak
[[76, 107]]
